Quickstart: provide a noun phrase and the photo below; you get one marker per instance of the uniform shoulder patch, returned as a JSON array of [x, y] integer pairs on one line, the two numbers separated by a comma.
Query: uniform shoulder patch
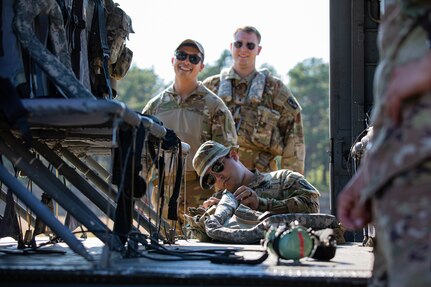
[[292, 103], [306, 184]]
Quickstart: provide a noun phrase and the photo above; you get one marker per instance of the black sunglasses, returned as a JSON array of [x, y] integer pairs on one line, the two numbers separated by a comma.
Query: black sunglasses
[[182, 56], [209, 179], [249, 45]]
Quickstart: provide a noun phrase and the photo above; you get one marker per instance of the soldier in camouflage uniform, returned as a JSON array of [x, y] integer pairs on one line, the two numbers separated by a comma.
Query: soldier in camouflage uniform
[[267, 116], [392, 185], [233, 222], [281, 191], [194, 113]]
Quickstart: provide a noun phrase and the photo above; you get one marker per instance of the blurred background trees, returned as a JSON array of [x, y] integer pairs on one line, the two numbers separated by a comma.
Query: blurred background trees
[[138, 86], [309, 82]]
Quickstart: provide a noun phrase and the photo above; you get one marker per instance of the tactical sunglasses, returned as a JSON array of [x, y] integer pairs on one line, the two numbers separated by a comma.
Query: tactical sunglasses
[[249, 45], [182, 56], [209, 179]]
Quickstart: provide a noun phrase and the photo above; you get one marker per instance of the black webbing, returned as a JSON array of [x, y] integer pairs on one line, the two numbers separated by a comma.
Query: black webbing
[[99, 12], [78, 24], [127, 165], [161, 171], [9, 223], [173, 206], [13, 109]]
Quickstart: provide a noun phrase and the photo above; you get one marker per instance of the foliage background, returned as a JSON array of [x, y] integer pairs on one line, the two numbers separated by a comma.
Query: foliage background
[[308, 81]]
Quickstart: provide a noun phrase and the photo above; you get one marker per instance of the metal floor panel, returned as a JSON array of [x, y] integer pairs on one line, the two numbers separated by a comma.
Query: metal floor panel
[[350, 267]]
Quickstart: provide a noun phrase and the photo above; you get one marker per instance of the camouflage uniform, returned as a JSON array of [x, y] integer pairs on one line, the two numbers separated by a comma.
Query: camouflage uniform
[[284, 191], [201, 117], [267, 117], [233, 222], [397, 165]]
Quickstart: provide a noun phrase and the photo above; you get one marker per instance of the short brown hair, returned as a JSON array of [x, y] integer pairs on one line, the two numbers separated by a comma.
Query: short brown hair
[[248, 29]]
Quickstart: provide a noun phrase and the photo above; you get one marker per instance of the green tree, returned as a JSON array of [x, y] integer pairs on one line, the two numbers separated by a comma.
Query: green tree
[[270, 68], [224, 61], [309, 82], [138, 86]]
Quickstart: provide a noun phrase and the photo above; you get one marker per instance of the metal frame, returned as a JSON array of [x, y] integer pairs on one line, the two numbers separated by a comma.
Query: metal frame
[[66, 127], [353, 59]]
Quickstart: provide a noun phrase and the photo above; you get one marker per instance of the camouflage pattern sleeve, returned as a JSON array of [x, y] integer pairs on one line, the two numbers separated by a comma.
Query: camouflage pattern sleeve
[[212, 83], [149, 107], [222, 124], [291, 129], [290, 193], [218, 225]]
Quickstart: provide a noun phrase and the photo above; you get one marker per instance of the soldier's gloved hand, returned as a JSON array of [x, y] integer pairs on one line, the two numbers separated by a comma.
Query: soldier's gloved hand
[[247, 196]]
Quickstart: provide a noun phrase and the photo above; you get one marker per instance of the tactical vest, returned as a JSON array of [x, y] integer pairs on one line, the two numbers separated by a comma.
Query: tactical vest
[[255, 118]]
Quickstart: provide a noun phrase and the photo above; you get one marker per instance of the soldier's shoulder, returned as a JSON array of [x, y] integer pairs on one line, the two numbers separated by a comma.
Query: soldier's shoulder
[[213, 101], [290, 177], [293, 103], [286, 174], [156, 99], [282, 95], [150, 103], [274, 80], [212, 80], [205, 98], [277, 87]]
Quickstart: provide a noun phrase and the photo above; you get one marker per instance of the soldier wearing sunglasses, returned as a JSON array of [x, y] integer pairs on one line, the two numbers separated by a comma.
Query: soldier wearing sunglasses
[[195, 114], [267, 116], [281, 191]]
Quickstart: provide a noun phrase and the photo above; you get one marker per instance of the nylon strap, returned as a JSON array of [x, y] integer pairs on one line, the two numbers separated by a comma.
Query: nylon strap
[[103, 35], [78, 24]]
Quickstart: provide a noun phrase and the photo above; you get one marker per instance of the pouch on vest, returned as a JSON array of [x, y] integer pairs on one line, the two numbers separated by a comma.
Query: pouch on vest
[[118, 27], [120, 68], [266, 134]]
